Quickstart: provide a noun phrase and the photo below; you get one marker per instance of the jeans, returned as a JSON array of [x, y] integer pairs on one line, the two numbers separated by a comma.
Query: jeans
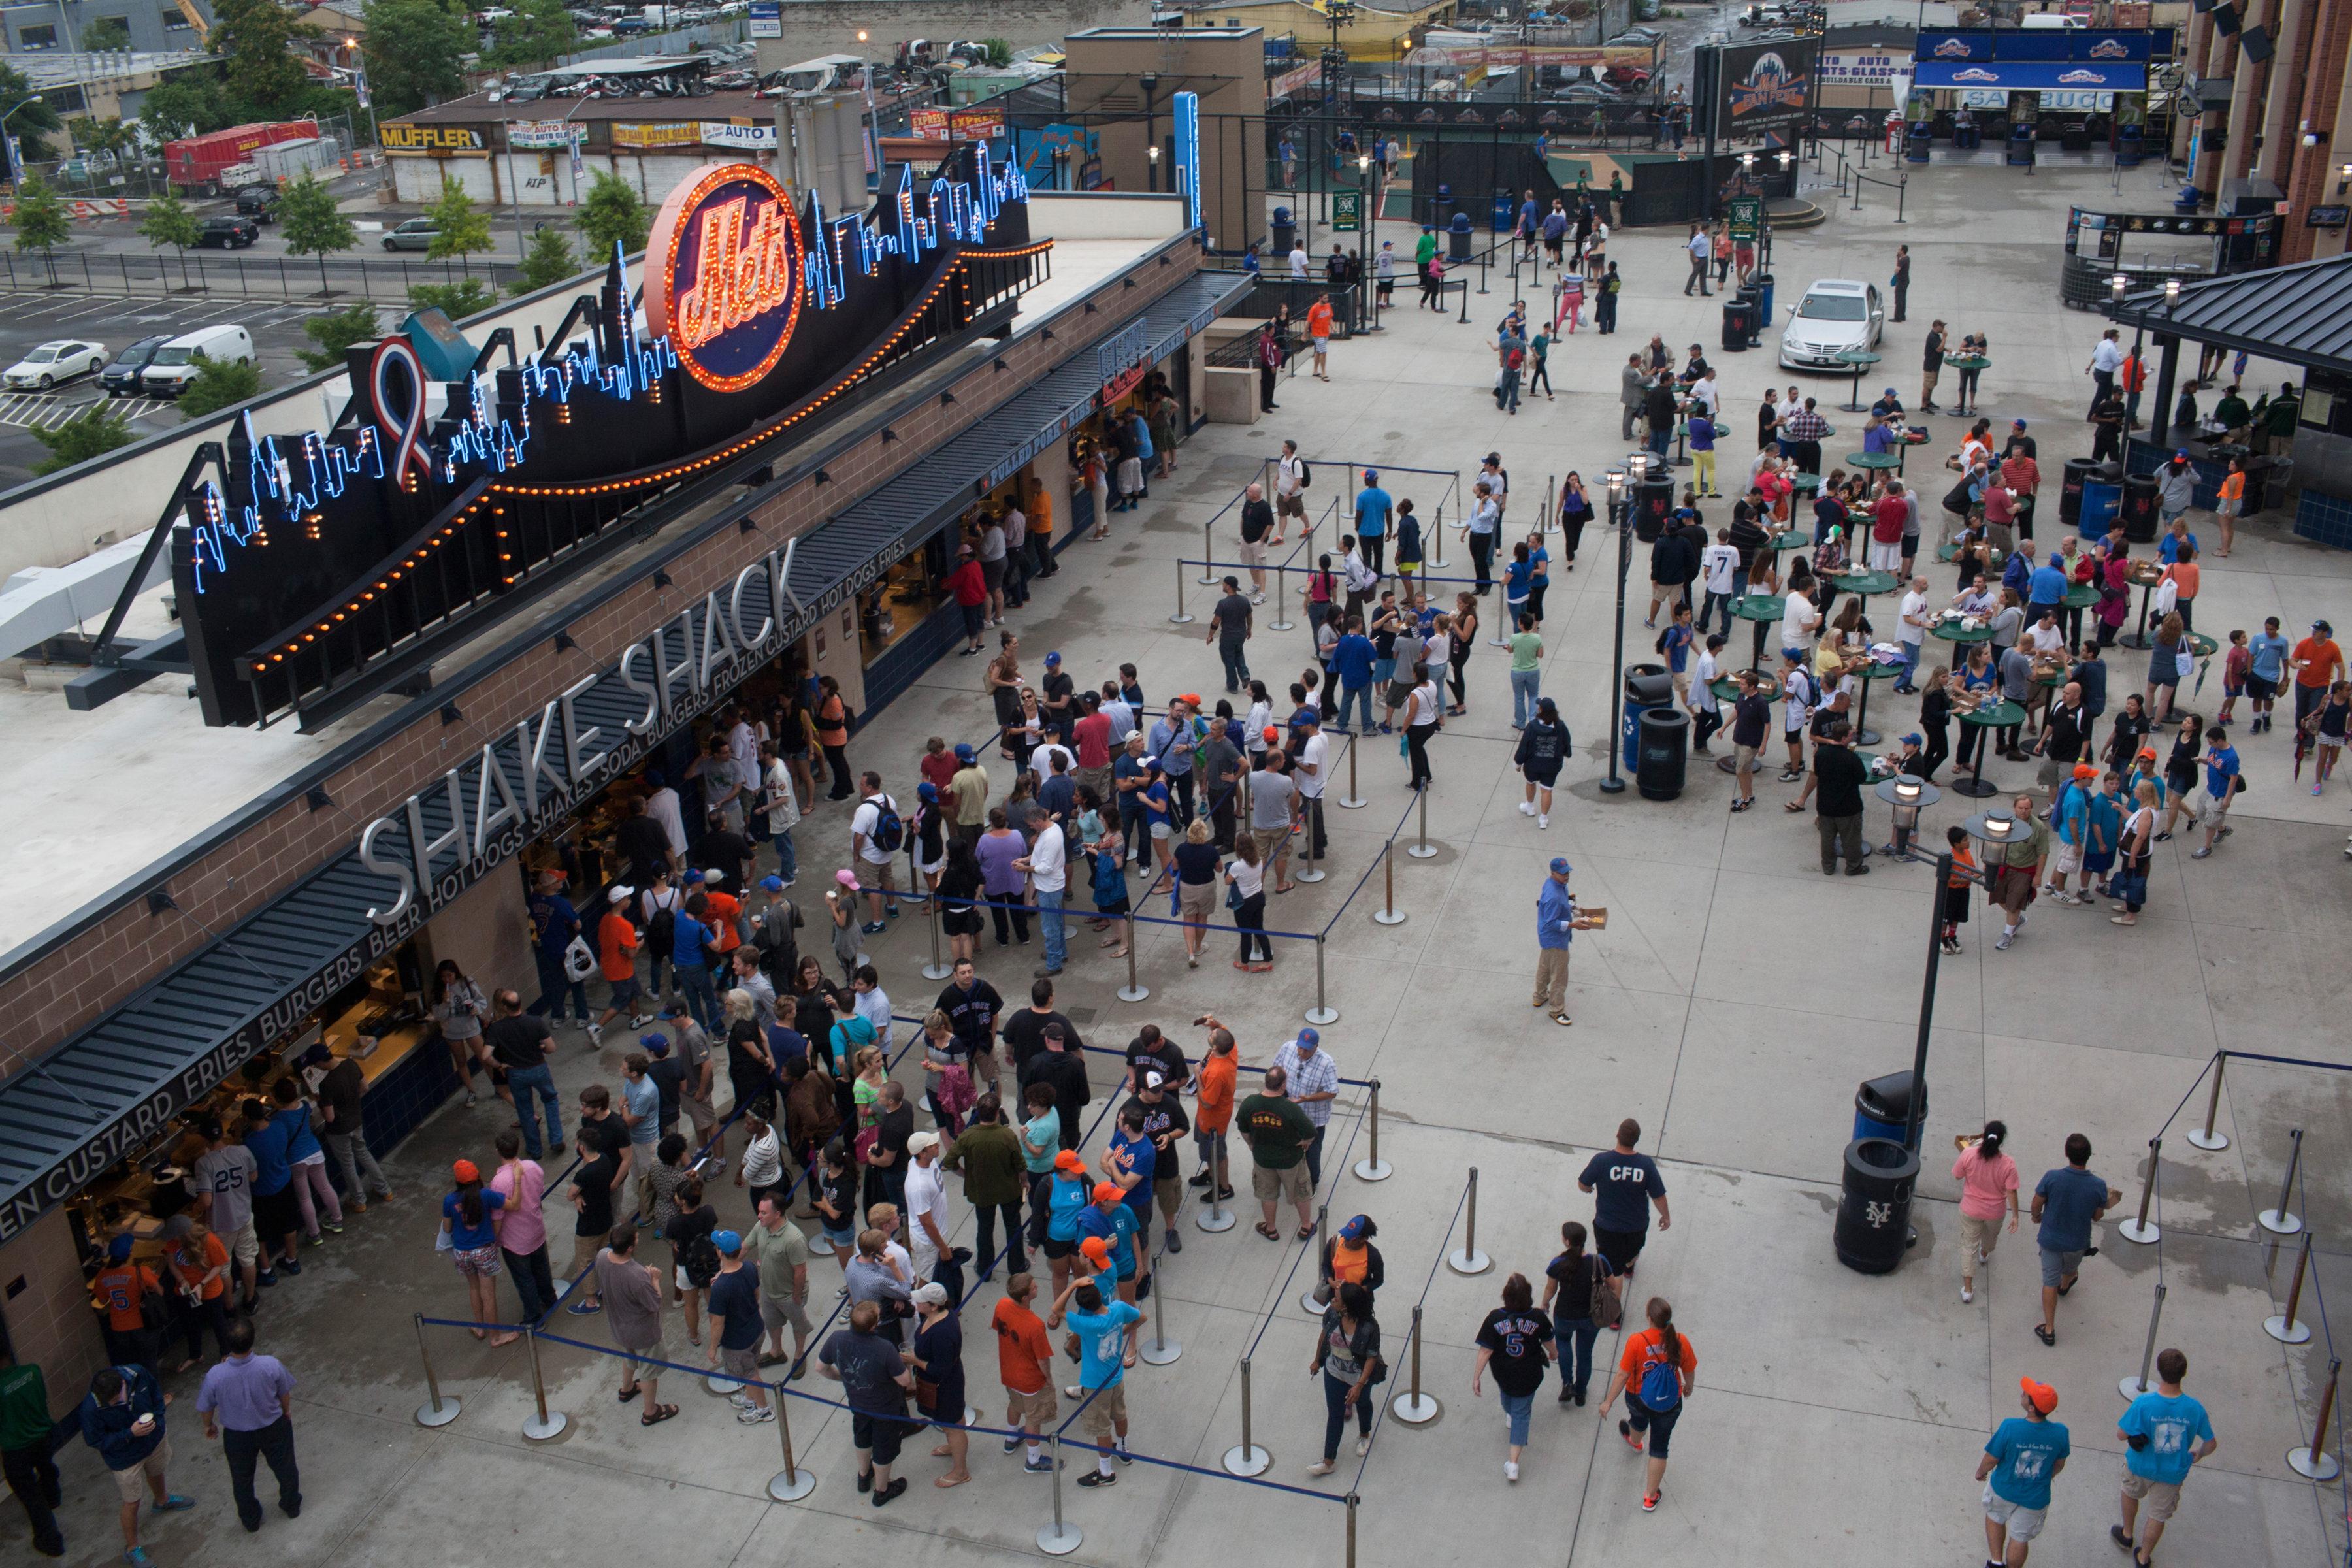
[[315, 1195], [1517, 1408], [1016, 1260], [1523, 696], [33, 1477], [524, 1081], [534, 1281], [1250, 919], [1315, 1159], [1049, 916], [1482, 556], [694, 979], [1910, 664], [1840, 835], [1660, 439], [213, 1315], [1350, 696], [788, 859], [552, 985], [245, 1451], [363, 1177], [1574, 1336], [1018, 917], [1335, 1414], [1706, 611], [1237, 673]]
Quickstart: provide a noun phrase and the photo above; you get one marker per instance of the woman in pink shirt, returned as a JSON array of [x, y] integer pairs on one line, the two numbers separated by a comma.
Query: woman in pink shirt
[[524, 1238], [1987, 1179]]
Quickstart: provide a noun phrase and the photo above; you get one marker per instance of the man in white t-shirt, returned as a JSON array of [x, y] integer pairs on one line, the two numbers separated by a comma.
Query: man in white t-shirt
[[1911, 622], [1797, 621], [927, 1206], [1800, 693], [1041, 761], [1311, 772], [784, 812], [1048, 864], [1718, 565], [865, 836], [663, 807], [1298, 260], [1290, 477], [1707, 717]]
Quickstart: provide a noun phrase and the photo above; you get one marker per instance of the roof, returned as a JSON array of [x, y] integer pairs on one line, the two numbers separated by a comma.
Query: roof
[[45, 69], [2302, 315], [476, 108]]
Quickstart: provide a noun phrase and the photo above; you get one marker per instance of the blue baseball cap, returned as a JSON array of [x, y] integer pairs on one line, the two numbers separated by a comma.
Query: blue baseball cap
[[964, 752], [1309, 1038], [1354, 1229], [1053, 658], [119, 1249], [655, 1045], [1912, 739], [728, 1242], [927, 791], [712, 875], [1560, 866], [772, 883]]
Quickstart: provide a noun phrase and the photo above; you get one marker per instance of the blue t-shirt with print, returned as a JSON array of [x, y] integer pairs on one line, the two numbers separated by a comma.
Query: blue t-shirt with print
[[1102, 1342], [1115, 1226], [2220, 767], [2028, 1452], [2071, 1199], [2173, 1425], [1678, 645]]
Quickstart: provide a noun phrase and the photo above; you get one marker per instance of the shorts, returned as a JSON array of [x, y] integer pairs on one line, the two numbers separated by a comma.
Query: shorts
[[743, 1364], [647, 1358], [1160, 831], [1621, 1247], [2211, 812], [1056, 1248], [275, 1215], [1107, 1412], [2066, 858], [2058, 1267], [478, 1262], [1977, 1236], [846, 1237], [2260, 689], [129, 1484], [1167, 1192], [775, 1315], [1211, 1145], [2099, 860], [1265, 838], [2229, 506], [879, 1436], [1292, 505], [1399, 692], [2159, 1500], [1272, 1186], [2022, 1523], [1029, 1409], [1667, 593], [245, 1246], [1743, 758], [1196, 901], [625, 992], [1655, 1427], [1253, 552], [1322, 345]]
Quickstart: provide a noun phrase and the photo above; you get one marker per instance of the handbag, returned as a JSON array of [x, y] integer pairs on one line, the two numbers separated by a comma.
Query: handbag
[[2185, 659], [926, 1395], [578, 960], [862, 1146], [1233, 894], [1608, 1309]]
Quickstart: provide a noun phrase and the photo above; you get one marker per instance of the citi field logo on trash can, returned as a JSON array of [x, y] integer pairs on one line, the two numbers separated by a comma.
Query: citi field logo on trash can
[[725, 282], [1770, 84]]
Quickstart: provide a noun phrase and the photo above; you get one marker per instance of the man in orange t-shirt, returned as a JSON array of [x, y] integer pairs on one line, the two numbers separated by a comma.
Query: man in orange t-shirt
[[616, 954], [115, 1292], [1023, 1359], [2318, 664], [723, 912], [1318, 334], [1212, 1109]]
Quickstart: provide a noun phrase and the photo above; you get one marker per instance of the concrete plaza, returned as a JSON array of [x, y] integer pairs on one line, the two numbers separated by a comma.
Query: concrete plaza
[[1731, 1005]]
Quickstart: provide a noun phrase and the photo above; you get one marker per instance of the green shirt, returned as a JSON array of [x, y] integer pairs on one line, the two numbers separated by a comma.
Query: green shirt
[[2030, 850], [1527, 650], [23, 1409], [989, 1155], [1539, 345], [1426, 249], [776, 1253], [1276, 1129]]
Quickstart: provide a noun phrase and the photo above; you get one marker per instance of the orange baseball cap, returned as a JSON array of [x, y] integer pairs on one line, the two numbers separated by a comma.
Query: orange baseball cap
[[1105, 1193], [1069, 1160], [2146, 754], [1095, 1250], [466, 1170], [2045, 1397], [1272, 733], [2084, 770]]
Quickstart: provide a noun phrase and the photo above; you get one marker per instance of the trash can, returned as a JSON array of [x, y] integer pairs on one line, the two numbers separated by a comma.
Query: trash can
[[2130, 144], [2020, 146], [1756, 317], [2103, 494], [1763, 285], [1874, 1215], [1457, 237], [1654, 503], [1881, 1107], [2188, 200], [1916, 146], [1647, 687], [1283, 233], [1664, 745], [2070, 492], [2141, 513], [1739, 323]]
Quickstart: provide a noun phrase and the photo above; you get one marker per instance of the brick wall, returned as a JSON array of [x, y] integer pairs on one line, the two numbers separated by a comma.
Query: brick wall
[[68, 989], [50, 1324]]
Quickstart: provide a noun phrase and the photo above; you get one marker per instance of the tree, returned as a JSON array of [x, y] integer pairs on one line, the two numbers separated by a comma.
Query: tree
[[547, 262], [312, 224], [335, 331], [613, 214], [466, 297], [169, 222], [189, 104], [1000, 53], [255, 39], [92, 433], [540, 30], [101, 135], [107, 35], [29, 122], [413, 47], [459, 228], [43, 222], [220, 384]]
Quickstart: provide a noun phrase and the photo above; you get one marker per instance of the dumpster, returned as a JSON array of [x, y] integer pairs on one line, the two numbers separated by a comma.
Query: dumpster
[[1881, 1107], [1647, 687], [1661, 753], [1739, 324], [1873, 1214], [2141, 513]]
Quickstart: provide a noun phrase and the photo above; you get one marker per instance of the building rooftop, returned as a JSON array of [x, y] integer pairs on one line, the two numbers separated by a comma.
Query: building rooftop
[[47, 70]]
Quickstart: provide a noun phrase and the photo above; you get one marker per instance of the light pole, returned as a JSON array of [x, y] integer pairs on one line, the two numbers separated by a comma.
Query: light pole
[[1619, 520], [1152, 128], [1364, 313], [16, 164]]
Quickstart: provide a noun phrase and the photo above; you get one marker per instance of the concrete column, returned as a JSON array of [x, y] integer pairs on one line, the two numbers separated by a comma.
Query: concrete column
[[2249, 94], [2312, 179], [2282, 109], [2222, 62]]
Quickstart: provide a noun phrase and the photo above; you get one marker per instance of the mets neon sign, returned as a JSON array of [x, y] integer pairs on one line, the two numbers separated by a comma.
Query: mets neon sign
[[724, 267], [1769, 85]]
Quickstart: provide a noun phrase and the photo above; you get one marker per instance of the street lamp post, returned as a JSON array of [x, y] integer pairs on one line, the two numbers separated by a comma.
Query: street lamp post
[[16, 164], [1619, 519], [1367, 315]]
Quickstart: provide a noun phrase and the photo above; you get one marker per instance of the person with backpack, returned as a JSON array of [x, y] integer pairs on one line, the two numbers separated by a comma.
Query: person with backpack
[[877, 833], [1655, 1375], [1582, 1282]]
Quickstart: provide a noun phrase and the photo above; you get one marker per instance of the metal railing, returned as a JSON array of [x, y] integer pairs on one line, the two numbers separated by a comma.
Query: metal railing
[[284, 278]]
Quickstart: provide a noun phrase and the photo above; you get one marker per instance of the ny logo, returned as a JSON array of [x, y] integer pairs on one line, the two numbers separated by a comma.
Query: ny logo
[[1878, 1214]]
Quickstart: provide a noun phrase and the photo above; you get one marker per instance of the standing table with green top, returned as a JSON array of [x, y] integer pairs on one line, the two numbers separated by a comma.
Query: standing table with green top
[[1763, 609], [1861, 360], [1977, 363], [2080, 598], [1877, 462], [1991, 716]]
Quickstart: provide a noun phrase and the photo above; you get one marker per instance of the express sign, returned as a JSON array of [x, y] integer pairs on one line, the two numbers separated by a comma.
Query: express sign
[[725, 274]]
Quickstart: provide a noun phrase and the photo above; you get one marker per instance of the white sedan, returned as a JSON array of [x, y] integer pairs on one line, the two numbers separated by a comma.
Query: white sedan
[[1833, 316], [53, 363]]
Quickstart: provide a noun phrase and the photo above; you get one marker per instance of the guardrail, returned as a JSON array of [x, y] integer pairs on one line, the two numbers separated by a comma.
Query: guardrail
[[281, 277]]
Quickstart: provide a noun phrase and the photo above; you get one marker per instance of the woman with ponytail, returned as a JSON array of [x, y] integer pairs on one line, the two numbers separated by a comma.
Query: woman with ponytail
[[1655, 1375], [1987, 1179]]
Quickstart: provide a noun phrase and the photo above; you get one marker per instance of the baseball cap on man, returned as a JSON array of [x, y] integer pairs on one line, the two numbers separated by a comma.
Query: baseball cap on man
[[2045, 1397], [1560, 866], [1105, 1193], [772, 883], [1095, 1250], [727, 1241], [963, 752], [921, 1141]]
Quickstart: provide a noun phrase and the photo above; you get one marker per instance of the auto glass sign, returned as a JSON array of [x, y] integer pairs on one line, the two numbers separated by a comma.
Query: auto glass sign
[[725, 276]]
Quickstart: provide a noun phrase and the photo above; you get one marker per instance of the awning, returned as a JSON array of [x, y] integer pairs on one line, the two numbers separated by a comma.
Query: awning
[[2032, 75]]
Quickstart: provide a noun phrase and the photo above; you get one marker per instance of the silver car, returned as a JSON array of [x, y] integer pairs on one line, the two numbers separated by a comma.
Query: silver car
[[1834, 316]]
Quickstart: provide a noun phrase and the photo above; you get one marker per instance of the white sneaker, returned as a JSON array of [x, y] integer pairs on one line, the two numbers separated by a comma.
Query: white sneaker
[[1510, 1469], [1527, 808], [1967, 1294], [595, 1032], [1543, 821]]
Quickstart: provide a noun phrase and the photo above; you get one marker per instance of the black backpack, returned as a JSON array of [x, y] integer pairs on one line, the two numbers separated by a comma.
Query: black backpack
[[661, 934], [1305, 477], [889, 827]]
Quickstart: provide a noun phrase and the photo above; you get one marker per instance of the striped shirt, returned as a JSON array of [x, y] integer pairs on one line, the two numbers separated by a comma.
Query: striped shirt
[[1310, 1071]]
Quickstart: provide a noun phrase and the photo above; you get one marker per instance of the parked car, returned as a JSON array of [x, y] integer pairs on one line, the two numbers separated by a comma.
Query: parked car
[[416, 234], [121, 376], [259, 202], [177, 362], [54, 361], [228, 233], [1836, 314]]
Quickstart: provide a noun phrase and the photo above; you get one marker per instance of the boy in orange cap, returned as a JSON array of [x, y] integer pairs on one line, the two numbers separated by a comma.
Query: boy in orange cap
[[2024, 1456]]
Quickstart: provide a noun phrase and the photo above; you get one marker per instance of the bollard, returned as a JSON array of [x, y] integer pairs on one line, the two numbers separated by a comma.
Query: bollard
[[935, 969], [1373, 1168], [1134, 990], [1352, 1529], [1322, 1011], [1352, 801], [1307, 1303], [546, 1425], [1436, 540], [1464, 320], [1281, 603], [1388, 914], [1247, 1459], [2279, 1221], [1208, 577], [1423, 850], [1162, 1350], [1310, 870], [1179, 618], [1214, 1219], [437, 1411], [792, 1483], [2138, 1229], [1469, 1259], [1414, 1407], [1060, 1538], [2283, 1328], [2313, 1462], [2209, 1139], [2132, 1387]]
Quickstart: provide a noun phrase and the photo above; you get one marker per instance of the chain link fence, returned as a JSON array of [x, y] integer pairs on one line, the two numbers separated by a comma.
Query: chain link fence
[[284, 277]]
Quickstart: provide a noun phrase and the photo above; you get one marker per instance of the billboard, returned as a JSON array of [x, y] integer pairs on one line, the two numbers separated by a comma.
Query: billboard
[[767, 19], [1762, 86]]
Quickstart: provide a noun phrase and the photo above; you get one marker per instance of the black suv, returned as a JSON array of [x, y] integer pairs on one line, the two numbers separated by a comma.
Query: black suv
[[259, 202], [228, 233]]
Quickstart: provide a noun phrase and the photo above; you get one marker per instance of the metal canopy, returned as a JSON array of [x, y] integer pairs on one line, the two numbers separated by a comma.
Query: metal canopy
[[2301, 315]]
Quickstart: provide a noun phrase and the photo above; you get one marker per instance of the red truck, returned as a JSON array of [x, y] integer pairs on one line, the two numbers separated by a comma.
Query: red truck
[[195, 163]]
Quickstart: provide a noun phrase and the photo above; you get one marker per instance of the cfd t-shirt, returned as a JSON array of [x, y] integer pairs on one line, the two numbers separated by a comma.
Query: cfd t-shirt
[[1623, 1187]]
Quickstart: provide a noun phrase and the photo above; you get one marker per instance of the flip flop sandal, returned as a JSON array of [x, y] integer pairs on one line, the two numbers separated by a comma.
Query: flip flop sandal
[[629, 1394], [1268, 1231], [2044, 1335], [659, 1414], [1306, 1233]]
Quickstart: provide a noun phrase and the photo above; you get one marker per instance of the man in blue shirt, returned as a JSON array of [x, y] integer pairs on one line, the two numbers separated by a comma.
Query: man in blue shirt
[[2045, 589], [1110, 1217], [1625, 1186], [2167, 1432], [277, 1210], [553, 924], [250, 1398], [1103, 1345], [1352, 665], [2221, 788], [2265, 672], [122, 1418], [1555, 922], [2018, 575], [1171, 745], [1373, 508], [2066, 1203], [2024, 1456]]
